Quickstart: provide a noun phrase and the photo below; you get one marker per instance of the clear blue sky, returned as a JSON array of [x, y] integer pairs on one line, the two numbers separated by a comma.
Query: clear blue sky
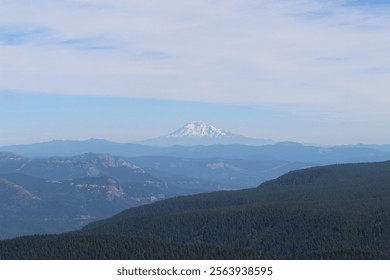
[[303, 70]]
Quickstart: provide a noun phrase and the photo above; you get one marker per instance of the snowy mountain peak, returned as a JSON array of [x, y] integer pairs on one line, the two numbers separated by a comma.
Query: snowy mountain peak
[[199, 129], [199, 133]]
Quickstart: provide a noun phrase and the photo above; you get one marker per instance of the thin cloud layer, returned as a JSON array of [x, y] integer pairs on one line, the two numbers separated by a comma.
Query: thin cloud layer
[[277, 53]]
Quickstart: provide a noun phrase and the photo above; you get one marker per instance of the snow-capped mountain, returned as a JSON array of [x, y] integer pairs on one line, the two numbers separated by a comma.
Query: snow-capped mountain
[[199, 129], [200, 133]]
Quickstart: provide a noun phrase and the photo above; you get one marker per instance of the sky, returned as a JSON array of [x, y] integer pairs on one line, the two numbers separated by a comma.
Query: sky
[[310, 71]]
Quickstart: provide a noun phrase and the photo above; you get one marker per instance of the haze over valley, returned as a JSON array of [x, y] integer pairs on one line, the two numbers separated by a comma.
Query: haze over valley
[[59, 186]]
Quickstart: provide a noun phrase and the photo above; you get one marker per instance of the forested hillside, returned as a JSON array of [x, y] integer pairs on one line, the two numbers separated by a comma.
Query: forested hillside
[[323, 209], [105, 247], [330, 212]]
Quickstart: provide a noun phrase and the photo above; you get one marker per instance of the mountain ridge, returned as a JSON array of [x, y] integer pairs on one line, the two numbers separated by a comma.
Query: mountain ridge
[[290, 151]]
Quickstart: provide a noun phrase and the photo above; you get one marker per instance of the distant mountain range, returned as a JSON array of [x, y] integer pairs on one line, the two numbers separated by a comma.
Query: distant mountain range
[[290, 151], [198, 140], [72, 148]]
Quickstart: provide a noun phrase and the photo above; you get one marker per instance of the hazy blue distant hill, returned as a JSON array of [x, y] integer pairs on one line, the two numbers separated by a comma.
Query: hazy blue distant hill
[[174, 175], [227, 173], [383, 148], [288, 151], [31, 205], [55, 168], [53, 195], [73, 147]]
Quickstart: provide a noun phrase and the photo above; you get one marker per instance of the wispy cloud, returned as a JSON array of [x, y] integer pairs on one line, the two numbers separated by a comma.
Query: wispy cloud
[[276, 53], [366, 2], [20, 36], [85, 44], [45, 38]]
